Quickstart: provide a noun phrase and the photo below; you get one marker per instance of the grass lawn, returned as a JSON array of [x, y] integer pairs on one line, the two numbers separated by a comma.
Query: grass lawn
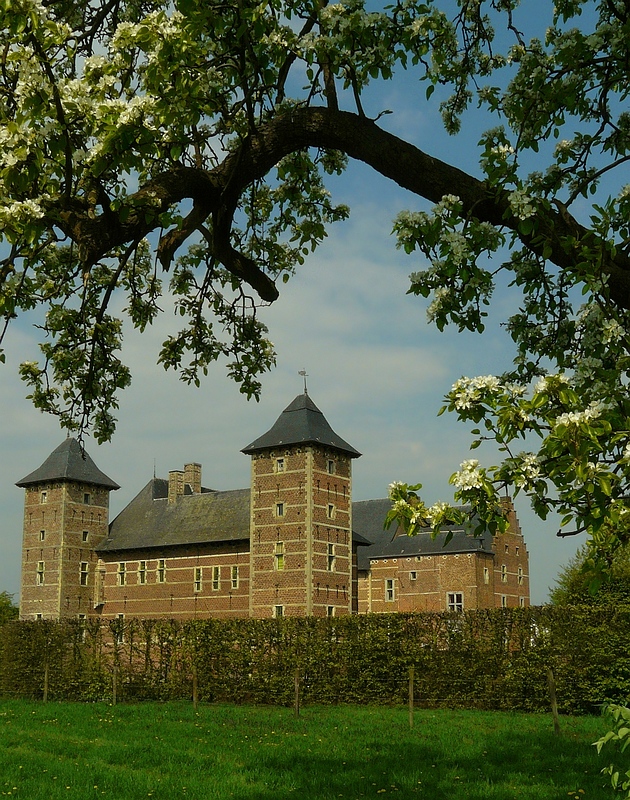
[[164, 751]]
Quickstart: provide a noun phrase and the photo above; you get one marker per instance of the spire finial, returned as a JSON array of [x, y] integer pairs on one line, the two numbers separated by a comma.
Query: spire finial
[[304, 374]]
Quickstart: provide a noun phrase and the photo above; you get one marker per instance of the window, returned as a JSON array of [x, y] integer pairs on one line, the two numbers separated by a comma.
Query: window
[[216, 578], [413, 575], [279, 509], [161, 570], [330, 512], [39, 617], [330, 467], [486, 575], [390, 595], [503, 601], [330, 563], [507, 548], [84, 536], [39, 575], [83, 573], [330, 611], [234, 577], [142, 572], [43, 498], [278, 556], [42, 536], [198, 575], [520, 576], [521, 602], [119, 631], [504, 575], [122, 573], [516, 550], [278, 611], [87, 498], [455, 601], [280, 465]]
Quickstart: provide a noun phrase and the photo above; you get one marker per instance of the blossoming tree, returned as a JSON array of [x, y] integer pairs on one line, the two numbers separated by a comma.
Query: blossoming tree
[[144, 139]]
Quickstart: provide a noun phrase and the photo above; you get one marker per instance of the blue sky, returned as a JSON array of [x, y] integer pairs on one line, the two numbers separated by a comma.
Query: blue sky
[[376, 368]]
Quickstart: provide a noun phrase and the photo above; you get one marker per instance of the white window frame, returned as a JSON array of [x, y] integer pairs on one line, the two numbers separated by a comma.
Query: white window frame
[[278, 611], [216, 578], [504, 573], [84, 572], [390, 590], [455, 601], [198, 579], [331, 557], [161, 570], [413, 575], [331, 511], [122, 573], [40, 575], [330, 466], [281, 464], [235, 577], [279, 557], [280, 509], [142, 572]]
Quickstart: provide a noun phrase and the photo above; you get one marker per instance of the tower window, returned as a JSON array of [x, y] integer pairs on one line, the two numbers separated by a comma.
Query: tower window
[[42, 536], [216, 578], [330, 562], [198, 575], [486, 575], [142, 572], [413, 575], [39, 575], [87, 498], [279, 556], [84, 536], [278, 611], [330, 611], [161, 570], [455, 601], [122, 573], [235, 578], [330, 467], [280, 465], [390, 594], [503, 601], [279, 509], [330, 511], [504, 575], [43, 498], [520, 576], [83, 574], [521, 602]]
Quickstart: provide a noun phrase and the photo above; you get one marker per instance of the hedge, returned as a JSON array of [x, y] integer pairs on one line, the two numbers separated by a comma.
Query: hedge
[[495, 659]]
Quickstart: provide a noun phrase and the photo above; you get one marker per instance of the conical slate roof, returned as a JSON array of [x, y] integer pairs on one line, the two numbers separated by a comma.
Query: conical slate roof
[[301, 422], [69, 463]]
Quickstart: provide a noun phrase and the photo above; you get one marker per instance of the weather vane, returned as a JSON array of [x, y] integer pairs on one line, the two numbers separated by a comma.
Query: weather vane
[[304, 374]]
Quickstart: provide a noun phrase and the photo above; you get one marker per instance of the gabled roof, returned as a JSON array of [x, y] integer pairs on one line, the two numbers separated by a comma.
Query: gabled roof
[[150, 521], [301, 422], [69, 462], [368, 517]]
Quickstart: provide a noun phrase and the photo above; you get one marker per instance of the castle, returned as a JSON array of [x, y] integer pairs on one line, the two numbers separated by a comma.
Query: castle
[[293, 544]]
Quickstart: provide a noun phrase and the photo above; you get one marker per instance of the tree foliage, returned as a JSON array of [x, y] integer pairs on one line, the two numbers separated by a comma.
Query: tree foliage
[[575, 584], [8, 611], [151, 148]]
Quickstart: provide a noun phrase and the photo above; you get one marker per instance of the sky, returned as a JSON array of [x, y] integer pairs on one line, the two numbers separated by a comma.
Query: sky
[[376, 369]]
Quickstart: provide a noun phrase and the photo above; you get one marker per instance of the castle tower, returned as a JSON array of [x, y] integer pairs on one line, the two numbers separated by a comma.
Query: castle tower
[[301, 516], [66, 514]]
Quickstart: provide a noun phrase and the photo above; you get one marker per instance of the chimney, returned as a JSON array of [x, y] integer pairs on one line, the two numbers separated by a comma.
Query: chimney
[[175, 485], [192, 476]]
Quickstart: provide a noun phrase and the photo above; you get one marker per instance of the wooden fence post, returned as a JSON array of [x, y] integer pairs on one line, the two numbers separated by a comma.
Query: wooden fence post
[[411, 703], [195, 687], [114, 684], [551, 682], [45, 698], [296, 682]]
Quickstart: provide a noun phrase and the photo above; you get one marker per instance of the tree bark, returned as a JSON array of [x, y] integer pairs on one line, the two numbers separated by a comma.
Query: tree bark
[[557, 235]]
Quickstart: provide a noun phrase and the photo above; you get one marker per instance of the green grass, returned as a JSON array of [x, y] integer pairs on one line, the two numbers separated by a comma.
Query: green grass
[[165, 751]]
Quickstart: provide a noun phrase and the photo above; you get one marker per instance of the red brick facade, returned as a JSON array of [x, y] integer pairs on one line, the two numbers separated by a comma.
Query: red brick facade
[[283, 547]]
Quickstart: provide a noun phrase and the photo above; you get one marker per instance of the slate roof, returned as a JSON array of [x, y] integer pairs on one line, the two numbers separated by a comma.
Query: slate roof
[[301, 422], [368, 517], [149, 520], [69, 462], [210, 517]]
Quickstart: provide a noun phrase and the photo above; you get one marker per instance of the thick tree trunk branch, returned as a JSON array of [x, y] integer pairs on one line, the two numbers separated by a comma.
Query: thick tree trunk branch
[[557, 236]]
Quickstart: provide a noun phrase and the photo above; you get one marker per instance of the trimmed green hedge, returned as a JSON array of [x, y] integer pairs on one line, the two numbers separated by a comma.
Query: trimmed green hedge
[[494, 659]]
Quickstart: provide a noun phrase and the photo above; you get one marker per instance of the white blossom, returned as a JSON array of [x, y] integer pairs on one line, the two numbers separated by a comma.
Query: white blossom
[[469, 476]]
